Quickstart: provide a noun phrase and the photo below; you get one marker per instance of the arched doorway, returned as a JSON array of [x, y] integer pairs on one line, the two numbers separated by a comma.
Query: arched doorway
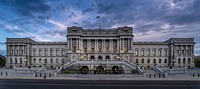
[[107, 57], [99, 70], [84, 70], [100, 58], [92, 58], [126, 58], [116, 70]]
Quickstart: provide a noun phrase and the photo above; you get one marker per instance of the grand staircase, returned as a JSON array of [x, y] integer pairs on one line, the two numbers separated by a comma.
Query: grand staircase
[[126, 65]]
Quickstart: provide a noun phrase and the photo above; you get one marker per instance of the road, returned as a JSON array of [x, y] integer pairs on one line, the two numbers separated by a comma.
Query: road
[[96, 84]]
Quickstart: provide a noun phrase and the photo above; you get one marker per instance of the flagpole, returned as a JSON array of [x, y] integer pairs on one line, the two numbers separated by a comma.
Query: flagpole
[[98, 17]]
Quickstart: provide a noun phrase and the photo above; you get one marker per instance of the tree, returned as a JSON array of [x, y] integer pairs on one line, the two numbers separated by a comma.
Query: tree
[[2, 61], [197, 61]]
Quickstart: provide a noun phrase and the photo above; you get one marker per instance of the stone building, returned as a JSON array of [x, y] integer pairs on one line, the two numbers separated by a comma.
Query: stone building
[[100, 47]]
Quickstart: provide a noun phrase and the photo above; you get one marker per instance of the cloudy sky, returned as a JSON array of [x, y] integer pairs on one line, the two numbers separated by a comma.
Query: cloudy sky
[[152, 20]]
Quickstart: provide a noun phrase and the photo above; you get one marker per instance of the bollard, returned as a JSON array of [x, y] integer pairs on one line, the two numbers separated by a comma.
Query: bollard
[[193, 75], [45, 76], [149, 75], [6, 73]]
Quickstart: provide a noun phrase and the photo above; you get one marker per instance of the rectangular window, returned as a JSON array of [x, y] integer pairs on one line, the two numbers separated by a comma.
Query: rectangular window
[[165, 52], [148, 52], [12, 52], [142, 52], [188, 52], [183, 52], [33, 52], [63, 52], [160, 52], [136, 52], [40, 52], [45, 52], [154, 52], [51, 52], [56, 52], [178, 52]]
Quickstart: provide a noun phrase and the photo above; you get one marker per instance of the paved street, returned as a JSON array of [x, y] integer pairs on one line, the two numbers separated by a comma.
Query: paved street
[[96, 84]]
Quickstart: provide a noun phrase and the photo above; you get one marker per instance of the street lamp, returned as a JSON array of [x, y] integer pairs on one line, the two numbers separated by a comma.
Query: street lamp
[[25, 62], [81, 57], [173, 62], [118, 57]]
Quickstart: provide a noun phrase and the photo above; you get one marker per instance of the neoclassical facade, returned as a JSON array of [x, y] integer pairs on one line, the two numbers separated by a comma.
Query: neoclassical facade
[[97, 45]]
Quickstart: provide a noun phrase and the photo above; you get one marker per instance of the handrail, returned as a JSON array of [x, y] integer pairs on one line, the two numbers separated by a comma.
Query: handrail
[[66, 65], [159, 71], [70, 63], [40, 69]]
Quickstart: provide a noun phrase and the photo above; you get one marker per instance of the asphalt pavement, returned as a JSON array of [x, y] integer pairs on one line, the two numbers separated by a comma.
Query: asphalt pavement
[[96, 84]]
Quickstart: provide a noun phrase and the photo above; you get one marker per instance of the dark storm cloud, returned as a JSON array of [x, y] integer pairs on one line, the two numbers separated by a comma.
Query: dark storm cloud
[[30, 8], [114, 12]]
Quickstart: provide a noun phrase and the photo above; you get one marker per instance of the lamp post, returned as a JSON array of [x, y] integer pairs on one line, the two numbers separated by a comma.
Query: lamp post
[[155, 62], [173, 62], [118, 57], [25, 62], [81, 57]]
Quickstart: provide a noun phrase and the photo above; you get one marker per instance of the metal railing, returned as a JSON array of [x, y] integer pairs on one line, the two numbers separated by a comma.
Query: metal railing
[[159, 71]]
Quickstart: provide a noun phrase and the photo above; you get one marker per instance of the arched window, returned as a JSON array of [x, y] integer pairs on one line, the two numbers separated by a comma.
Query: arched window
[[51, 60], [183, 60], [11, 61], [159, 60], [20, 60], [34, 61], [165, 60], [63, 61], [154, 60], [142, 61], [136, 61], [189, 60], [179, 60], [45, 60], [56, 60], [15, 60], [148, 60], [40, 61]]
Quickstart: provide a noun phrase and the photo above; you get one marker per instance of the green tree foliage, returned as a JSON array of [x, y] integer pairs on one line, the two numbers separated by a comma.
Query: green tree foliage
[[2, 61], [197, 61]]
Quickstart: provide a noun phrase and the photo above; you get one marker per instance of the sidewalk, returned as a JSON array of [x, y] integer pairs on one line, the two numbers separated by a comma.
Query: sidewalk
[[107, 77]]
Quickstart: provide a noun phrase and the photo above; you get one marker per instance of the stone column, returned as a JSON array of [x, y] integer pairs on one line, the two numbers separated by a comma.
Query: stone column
[[118, 44], [67, 43], [71, 44], [131, 44], [97, 45], [129, 47], [111, 45], [18, 50], [192, 49], [7, 49], [103, 46], [122, 43]]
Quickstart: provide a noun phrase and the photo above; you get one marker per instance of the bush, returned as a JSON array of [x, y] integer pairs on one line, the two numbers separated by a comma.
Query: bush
[[2, 61], [134, 71], [66, 72]]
